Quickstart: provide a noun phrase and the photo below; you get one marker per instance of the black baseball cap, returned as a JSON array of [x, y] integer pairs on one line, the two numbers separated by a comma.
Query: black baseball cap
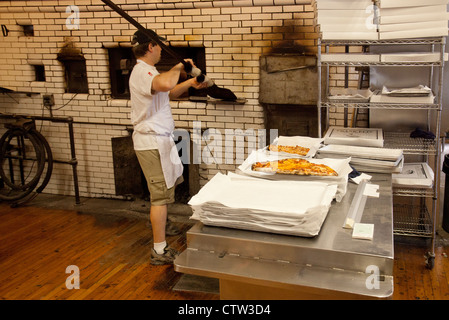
[[141, 37]]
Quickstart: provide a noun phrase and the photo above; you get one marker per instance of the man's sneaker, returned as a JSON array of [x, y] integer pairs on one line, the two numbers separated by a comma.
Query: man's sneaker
[[171, 229], [167, 257]]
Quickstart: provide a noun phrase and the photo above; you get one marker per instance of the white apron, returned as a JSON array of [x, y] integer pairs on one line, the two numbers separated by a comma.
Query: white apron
[[161, 124]]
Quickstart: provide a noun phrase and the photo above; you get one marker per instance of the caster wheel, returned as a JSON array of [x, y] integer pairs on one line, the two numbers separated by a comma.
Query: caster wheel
[[430, 261]]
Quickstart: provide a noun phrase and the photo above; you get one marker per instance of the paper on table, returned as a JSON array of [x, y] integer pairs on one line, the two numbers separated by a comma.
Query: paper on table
[[364, 231], [259, 194], [287, 207], [361, 177], [371, 190]]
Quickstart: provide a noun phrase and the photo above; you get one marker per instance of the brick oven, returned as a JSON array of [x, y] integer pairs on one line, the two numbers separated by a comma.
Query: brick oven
[[233, 35]]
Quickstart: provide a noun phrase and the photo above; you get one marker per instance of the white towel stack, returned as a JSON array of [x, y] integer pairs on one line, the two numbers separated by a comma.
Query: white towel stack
[[366, 159], [402, 19], [345, 19], [380, 19], [284, 207]]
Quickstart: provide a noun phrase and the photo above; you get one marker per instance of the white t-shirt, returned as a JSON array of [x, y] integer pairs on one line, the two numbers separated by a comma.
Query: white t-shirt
[[144, 105]]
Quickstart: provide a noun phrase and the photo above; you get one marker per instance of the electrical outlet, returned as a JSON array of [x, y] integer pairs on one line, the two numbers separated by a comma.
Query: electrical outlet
[[48, 100]]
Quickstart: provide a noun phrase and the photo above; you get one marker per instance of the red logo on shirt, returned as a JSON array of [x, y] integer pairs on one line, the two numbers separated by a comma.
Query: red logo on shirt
[[150, 74]]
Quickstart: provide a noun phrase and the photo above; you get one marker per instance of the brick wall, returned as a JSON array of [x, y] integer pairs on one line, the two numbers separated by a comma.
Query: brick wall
[[234, 33]]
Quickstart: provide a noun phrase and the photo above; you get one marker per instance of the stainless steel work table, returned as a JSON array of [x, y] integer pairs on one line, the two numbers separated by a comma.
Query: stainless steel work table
[[257, 265]]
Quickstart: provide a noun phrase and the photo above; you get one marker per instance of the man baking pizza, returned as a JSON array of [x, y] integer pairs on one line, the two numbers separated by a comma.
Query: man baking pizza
[[153, 124]]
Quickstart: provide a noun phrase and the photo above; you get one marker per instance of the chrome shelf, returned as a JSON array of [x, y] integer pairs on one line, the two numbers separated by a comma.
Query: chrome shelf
[[409, 192], [370, 105], [410, 220], [437, 40], [381, 64], [416, 146]]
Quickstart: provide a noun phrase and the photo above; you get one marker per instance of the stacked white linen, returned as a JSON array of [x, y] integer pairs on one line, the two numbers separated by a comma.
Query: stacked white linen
[[391, 19], [345, 19], [412, 18], [369, 159], [242, 202], [415, 95]]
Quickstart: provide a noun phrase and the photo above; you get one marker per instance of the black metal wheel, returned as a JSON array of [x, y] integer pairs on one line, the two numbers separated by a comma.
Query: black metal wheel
[[24, 155]]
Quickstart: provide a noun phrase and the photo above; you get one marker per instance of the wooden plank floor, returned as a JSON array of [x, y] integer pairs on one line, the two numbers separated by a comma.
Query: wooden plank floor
[[112, 254]]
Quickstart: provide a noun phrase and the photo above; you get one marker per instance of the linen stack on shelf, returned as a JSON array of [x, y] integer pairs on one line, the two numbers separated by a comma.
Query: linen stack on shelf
[[348, 95], [366, 159], [401, 19], [418, 95], [350, 57], [364, 146], [284, 207], [345, 19]]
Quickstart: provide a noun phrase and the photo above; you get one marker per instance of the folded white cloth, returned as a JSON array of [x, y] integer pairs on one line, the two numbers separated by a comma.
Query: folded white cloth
[[287, 207]]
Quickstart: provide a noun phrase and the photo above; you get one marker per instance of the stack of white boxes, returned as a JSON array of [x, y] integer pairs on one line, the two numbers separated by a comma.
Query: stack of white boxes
[[380, 19], [401, 19], [345, 19]]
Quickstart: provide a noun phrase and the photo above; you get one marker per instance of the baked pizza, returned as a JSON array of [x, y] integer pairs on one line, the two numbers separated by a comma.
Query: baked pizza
[[294, 166], [289, 149]]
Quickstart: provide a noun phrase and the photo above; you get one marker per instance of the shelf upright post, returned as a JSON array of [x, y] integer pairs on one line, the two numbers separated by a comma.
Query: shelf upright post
[[319, 87], [436, 203]]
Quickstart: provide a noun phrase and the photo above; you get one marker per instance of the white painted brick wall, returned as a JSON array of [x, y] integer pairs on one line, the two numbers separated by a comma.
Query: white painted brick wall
[[234, 33]]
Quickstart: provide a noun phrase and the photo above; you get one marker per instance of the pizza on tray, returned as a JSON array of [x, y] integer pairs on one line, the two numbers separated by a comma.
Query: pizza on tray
[[289, 149], [294, 166]]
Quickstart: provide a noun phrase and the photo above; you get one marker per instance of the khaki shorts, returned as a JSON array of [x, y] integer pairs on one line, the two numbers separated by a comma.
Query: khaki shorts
[[150, 162]]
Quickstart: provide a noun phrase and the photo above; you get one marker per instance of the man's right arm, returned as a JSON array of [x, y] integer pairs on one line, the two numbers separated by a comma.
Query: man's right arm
[[166, 81]]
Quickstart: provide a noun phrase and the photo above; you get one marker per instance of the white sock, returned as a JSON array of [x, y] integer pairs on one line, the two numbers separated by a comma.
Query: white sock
[[159, 247]]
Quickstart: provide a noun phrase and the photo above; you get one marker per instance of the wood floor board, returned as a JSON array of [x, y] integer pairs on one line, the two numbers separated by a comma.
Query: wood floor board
[[113, 255]]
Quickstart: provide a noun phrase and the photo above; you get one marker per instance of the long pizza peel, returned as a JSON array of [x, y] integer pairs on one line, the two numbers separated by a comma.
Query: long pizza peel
[[213, 90]]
